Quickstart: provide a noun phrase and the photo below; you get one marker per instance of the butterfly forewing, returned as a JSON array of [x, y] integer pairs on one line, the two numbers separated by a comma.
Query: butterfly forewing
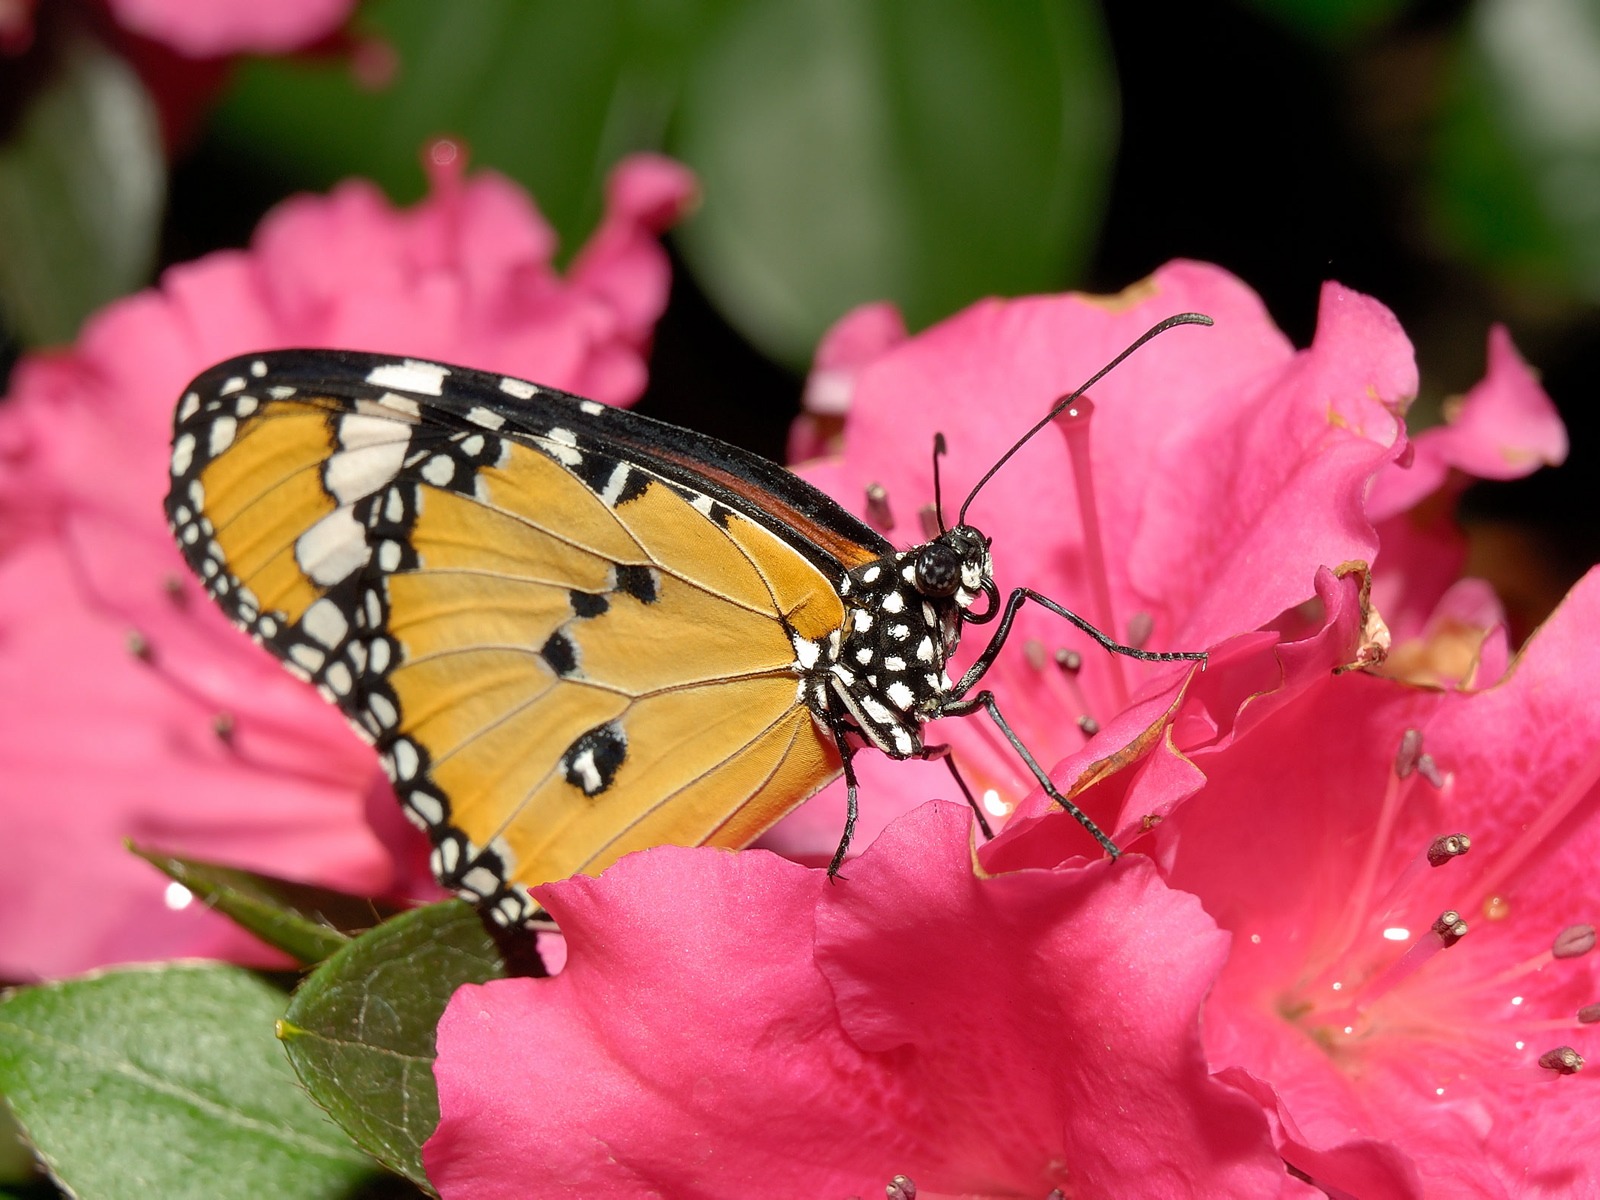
[[569, 633]]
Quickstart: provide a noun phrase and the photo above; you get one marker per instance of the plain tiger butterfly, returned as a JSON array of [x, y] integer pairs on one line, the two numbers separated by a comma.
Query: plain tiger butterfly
[[572, 631]]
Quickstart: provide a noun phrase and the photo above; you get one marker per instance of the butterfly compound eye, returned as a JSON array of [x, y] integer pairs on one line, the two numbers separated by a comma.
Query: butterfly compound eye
[[938, 570]]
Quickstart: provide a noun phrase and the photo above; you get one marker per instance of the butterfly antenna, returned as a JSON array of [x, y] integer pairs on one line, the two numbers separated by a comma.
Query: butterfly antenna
[[939, 451], [1061, 405]]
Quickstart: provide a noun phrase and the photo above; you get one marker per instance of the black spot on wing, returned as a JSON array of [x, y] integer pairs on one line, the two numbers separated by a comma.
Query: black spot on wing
[[561, 653], [588, 604], [591, 762], [639, 582]]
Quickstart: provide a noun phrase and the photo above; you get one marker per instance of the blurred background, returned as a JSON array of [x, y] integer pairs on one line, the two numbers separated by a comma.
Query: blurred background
[[1441, 155]]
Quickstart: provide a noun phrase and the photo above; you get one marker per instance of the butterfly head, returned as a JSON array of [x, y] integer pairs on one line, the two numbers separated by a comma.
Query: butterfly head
[[956, 564]]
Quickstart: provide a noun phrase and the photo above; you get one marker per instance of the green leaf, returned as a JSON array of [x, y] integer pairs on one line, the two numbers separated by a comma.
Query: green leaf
[[928, 152], [549, 92], [307, 922], [82, 185], [360, 1031], [168, 1076], [1516, 167]]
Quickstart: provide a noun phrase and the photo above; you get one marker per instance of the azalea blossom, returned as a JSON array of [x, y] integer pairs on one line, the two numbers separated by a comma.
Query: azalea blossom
[[1503, 428], [735, 1025], [652, 1031], [1408, 876], [208, 29], [1192, 500], [132, 708]]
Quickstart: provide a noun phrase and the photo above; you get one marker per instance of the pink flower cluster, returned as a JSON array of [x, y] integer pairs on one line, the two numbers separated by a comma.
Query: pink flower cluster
[[1346, 953], [130, 708]]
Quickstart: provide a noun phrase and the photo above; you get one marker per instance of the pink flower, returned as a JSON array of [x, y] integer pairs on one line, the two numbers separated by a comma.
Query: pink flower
[[1399, 1067], [1227, 470], [782, 1035], [855, 341], [212, 28], [1503, 428], [130, 708]]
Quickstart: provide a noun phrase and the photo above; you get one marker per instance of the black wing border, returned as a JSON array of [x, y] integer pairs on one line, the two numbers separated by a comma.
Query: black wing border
[[805, 518]]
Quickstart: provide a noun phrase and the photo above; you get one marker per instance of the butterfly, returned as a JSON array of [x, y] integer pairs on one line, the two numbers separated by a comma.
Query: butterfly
[[569, 630]]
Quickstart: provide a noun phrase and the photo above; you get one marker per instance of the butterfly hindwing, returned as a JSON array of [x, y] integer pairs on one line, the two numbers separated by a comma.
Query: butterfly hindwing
[[571, 632]]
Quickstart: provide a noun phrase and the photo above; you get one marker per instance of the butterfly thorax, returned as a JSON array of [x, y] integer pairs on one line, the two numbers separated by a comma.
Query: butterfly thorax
[[903, 616]]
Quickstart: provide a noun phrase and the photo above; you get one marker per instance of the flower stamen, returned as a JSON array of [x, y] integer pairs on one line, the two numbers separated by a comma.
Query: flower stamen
[[879, 515], [1062, 684], [1563, 1060], [1573, 942], [1075, 421]]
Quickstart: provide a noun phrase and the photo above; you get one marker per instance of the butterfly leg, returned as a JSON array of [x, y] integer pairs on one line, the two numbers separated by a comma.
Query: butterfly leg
[[1016, 600], [985, 701], [943, 752], [847, 754]]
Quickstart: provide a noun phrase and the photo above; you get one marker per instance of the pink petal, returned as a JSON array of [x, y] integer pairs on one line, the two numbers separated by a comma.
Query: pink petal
[[86, 561], [795, 1037], [1229, 471], [856, 339], [209, 28], [1504, 428], [1440, 1063]]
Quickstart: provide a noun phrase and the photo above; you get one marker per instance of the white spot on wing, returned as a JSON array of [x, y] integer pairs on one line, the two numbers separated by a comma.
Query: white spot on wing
[[520, 388], [590, 407], [373, 450], [325, 622], [584, 766], [183, 454], [486, 417], [805, 652], [405, 405], [308, 656], [234, 384], [412, 375], [338, 679], [382, 710], [563, 445], [222, 431], [439, 470], [332, 549]]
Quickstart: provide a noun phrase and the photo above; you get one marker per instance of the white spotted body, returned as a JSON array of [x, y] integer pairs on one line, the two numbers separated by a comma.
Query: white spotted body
[[903, 618]]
